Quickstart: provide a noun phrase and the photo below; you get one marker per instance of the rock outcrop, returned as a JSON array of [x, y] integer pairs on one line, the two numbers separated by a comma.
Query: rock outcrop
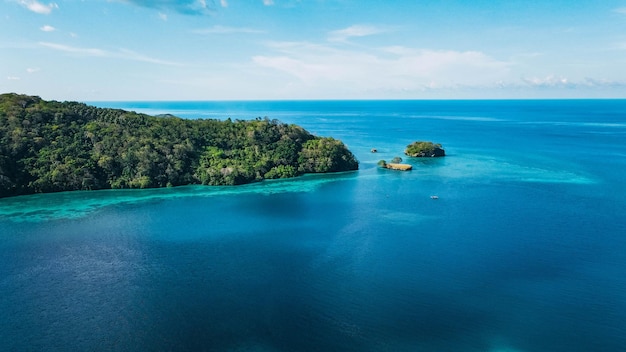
[[401, 167]]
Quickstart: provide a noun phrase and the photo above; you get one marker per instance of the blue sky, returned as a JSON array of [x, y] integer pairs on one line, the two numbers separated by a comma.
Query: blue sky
[[312, 49]]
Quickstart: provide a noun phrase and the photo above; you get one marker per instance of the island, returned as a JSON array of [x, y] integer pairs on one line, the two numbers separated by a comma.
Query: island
[[51, 146], [395, 164], [417, 149], [422, 149]]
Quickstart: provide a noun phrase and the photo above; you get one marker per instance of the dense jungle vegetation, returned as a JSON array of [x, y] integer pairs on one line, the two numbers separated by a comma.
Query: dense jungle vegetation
[[50, 146]]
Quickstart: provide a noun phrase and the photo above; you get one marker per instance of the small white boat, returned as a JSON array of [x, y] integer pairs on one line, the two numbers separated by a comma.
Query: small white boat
[[434, 197]]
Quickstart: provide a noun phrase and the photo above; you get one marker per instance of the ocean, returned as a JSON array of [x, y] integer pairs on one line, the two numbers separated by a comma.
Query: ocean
[[523, 251]]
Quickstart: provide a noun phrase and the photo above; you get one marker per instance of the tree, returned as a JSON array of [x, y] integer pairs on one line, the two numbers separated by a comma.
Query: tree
[[48, 146], [325, 155], [424, 149]]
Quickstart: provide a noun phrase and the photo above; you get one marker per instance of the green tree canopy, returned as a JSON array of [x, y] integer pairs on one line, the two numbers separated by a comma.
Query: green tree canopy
[[424, 149], [48, 146]]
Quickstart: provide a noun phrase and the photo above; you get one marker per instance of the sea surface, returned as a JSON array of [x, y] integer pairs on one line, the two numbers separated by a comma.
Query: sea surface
[[523, 251]]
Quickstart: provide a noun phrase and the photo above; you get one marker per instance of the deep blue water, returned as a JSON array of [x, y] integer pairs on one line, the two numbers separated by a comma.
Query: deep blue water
[[525, 249]]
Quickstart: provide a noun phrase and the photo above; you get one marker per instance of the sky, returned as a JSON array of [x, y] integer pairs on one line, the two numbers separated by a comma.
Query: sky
[[112, 50]]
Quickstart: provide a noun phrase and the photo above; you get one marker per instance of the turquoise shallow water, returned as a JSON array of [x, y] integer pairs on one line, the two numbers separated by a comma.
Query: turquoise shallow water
[[523, 251]]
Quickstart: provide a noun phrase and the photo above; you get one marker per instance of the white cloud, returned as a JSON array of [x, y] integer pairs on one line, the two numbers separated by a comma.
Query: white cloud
[[268, 2], [353, 31], [217, 29], [75, 50], [408, 72], [554, 81], [188, 7], [394, 68], [37, 7], [33, 69], [619, 46], [13, 78], [124, 54], [48, 28], [593, 82], [548, 81], [224, 3], [621, 10], [162, 16], [131, 55]]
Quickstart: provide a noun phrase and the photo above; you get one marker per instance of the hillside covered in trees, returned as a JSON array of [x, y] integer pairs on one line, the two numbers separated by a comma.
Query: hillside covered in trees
[[50, 146]]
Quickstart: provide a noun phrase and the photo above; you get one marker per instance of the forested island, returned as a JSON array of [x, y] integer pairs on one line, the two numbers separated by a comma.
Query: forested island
[[418, 149], [421, 149], [51, 146], [395, 164]]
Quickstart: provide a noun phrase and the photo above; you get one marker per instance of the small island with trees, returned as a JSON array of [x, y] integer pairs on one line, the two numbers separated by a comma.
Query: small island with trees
[[417, 149], [395, 164], [51, 146], [421, 149]]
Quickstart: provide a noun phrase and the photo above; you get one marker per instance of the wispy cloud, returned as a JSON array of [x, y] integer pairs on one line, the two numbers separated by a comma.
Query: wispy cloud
[[188, 7], [124, 54], [37, 7], [400, 70], [555, 81], [594, 82], [619, 46], [217, 29], [354, 31], [162, 16], [134, 56], [33, 69], [620, 10], [75, 50], [383, 68], [48, 28], [548, 81], [194, 7], [13, 78]]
